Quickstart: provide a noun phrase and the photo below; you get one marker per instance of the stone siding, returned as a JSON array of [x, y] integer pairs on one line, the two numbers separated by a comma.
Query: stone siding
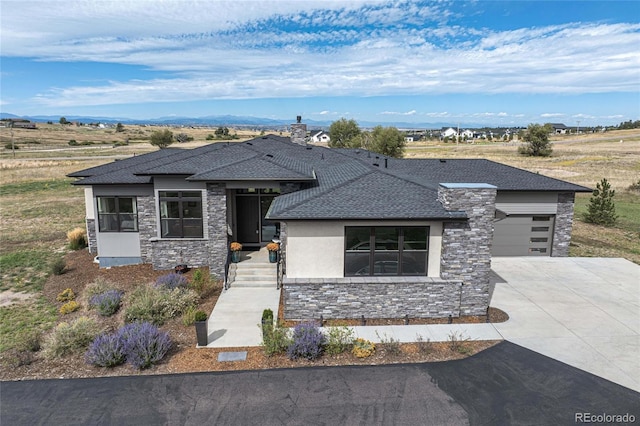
[[466, 246], [299, 133], [563, 225], [92, 239], [373, 297], [167, 253]]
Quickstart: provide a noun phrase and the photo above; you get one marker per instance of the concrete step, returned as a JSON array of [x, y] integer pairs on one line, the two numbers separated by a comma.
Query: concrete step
[[253, 271], [254, 284], [240, 277]]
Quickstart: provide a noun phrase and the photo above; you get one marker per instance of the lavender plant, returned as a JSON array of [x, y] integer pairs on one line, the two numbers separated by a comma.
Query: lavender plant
[[145, 344], [107, 350], [171, 281], [307, 342], [107, 303]]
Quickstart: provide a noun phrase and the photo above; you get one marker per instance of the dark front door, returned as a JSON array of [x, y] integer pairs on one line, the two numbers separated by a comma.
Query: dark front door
[[248, 214]]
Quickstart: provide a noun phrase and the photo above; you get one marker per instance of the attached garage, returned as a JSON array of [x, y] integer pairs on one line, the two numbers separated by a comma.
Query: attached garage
[[523, 235]]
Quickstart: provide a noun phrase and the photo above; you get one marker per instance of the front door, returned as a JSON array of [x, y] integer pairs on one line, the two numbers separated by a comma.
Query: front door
[[248, 214], [251, 207]]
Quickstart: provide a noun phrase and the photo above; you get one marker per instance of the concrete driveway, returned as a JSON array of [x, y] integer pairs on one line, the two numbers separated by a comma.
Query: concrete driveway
[[584, 312]]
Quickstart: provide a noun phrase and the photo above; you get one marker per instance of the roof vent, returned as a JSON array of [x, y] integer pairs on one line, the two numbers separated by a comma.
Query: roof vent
[[309, 148], [376, 164], [322, 156], [385, 163], [249, 143], [442, 160], [269, 155]]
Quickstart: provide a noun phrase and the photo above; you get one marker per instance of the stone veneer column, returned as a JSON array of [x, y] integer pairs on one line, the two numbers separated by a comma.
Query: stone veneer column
[[147, 226], [466, 245], [563, 225], [217, 228], [92, 240]]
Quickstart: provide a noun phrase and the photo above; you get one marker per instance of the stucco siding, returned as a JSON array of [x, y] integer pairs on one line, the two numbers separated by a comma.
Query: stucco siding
[[316, 249]]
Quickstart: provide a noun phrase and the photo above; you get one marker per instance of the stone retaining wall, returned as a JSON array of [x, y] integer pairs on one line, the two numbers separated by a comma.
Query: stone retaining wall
[[373, 297]]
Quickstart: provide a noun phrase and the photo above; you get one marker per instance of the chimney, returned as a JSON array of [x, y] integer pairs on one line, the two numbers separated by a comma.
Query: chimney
[[299, 132]]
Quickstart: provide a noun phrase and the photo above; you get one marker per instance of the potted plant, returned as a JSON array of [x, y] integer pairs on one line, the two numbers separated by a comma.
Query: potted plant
[[202, 333], [273, 251], [235, 248]]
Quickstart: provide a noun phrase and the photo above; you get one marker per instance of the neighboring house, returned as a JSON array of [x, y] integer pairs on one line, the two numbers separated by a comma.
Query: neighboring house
[[413, 137], [320, 137], [559, 128], [448, 133], [467, 133], [362, 234]]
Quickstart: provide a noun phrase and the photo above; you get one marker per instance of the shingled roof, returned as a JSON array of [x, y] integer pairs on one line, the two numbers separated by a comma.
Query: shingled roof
[[336, 183]]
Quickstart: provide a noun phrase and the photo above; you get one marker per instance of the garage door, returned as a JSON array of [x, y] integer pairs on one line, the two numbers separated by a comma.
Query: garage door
[[523, 235]]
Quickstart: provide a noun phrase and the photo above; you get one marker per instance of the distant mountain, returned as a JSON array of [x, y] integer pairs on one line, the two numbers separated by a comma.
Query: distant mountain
[[236, 121]]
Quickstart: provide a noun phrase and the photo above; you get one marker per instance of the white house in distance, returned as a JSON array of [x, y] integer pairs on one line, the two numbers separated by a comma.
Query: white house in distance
[[320, 137]]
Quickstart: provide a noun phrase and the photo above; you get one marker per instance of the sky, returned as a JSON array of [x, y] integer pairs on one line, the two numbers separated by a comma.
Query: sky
[[500, 63]]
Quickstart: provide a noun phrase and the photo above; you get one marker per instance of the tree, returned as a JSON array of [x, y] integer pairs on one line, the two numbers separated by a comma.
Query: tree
[[183, 137], [162, 138], [119, 128], [344, 133], [537, 142], [63, 121], [387, 141], [602, 209]]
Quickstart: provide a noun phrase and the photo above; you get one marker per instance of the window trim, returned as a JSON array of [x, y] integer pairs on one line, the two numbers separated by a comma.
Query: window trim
[[118, 213], [181, 199], [400, 251]]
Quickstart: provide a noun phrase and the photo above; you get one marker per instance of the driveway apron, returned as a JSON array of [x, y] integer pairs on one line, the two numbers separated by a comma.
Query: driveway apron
[[584, 312]]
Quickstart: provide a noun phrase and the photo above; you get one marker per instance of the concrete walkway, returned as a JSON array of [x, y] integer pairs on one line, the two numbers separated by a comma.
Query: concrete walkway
[[584, 312]]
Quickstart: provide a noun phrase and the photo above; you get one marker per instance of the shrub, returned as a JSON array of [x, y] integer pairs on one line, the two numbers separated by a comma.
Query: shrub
[[458, 343], [99, 286], [70, 337], [70, 306], [267, 316], [106, 303], [275, 339], [635, 187], [189, 316], [58, 266], [73, 142], [66, 295], [201, 283], [363, 348], [107, 350], [171, 281], [200, 316], [391, 345], [157, 305], [144, 344], [307, 342], [77, 238], [11, 146], [424, 346], [339, 340]]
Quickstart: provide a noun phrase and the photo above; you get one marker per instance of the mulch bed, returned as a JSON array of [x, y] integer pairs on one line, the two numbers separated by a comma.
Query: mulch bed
[[184, 357]]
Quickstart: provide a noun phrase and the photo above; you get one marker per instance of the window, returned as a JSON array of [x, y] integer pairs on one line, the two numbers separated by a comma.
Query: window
[[386, 250], [117, 214], [181, 214]]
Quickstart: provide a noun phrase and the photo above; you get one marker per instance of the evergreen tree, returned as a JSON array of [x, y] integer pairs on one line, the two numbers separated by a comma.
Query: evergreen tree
[[602, 209]]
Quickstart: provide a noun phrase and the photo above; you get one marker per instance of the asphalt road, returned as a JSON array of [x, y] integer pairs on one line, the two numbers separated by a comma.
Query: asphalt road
[[504, 385]]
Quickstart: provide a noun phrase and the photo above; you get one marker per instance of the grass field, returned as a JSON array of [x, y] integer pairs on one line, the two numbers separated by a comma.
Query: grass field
[[38, 205]]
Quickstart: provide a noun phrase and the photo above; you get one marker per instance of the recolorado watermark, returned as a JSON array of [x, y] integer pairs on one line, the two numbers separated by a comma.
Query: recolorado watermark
[[604, 418]]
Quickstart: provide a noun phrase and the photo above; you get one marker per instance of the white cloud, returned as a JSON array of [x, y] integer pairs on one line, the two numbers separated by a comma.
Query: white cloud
[[241, 50], [552, 114]]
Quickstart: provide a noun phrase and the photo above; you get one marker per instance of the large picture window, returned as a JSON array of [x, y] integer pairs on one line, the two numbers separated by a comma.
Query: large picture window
[[181, 214], [386, 250], [117, 214]]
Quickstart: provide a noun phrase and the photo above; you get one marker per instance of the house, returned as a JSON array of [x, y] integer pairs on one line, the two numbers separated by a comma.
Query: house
[[559, 128], [448, 133], [361, 234], [320, 136], [467, 134], [412, 137]]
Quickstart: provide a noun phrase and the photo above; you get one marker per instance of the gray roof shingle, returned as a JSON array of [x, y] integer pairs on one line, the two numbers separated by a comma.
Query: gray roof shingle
[[337, 183]]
